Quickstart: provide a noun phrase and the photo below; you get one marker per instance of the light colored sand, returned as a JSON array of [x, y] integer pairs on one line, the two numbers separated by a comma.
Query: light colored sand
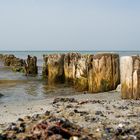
[[11, 111]]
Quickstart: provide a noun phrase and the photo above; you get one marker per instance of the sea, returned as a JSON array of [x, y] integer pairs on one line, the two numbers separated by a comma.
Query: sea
[[15, 87]]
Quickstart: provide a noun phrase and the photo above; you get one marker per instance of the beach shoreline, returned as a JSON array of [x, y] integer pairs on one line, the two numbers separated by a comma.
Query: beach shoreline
[[94, 112], [11, 111]]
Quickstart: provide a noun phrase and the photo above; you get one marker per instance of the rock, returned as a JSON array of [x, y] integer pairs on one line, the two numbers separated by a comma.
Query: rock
[[118, 89], [70, 100], [2, 137], [1, 95], [54, 68], [82, 113], [99, 113], [130, 77], [20, 119], [120, 125], [103, 72], [13, 127], [74, 138], [55, 137], [31, 66], [47, 113]]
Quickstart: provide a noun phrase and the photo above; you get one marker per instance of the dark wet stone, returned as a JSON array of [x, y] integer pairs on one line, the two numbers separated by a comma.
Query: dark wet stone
[[1, 95], [118, 131], [12, 126], [82, 113], [76, 111], [23, 125], [56, 100], [71, 114], [20, 119], [28, 117], [123, 107], [108, 130], [87, 118], [2, 137], [69, 106], [47, 113], [99, 113], [36, 116], [132, 115], [84, 92], [5, 137], [58, 130], [94, 119]]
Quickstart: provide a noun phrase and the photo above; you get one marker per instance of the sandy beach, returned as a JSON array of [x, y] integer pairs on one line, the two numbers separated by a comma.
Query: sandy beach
[[95, 112], [20, 104]]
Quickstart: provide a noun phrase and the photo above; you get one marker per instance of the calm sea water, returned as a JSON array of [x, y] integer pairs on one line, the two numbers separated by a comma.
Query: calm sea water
[[17, 87], [23, 54], [39, 54]]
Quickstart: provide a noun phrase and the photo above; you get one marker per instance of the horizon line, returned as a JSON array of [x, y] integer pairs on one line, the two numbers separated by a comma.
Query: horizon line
[[64, 50]]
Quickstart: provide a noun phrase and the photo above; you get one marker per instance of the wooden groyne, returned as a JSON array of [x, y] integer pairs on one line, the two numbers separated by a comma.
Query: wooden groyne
[[93, 73]]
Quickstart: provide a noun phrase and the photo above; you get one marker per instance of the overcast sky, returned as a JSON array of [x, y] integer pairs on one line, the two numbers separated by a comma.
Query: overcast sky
[[69, 24]]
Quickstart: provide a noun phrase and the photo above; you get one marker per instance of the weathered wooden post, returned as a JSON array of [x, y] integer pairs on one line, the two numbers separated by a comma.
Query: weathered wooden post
[[70, 61], [130, 77], [32, 65], [54, 68], [103, 72], [75, 68]]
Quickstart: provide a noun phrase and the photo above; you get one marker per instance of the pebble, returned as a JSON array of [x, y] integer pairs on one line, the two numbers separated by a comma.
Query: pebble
[[96, 126], [47, 113], [120, 125], [20, 119], [1, 95], [99, 113], [74, 138]]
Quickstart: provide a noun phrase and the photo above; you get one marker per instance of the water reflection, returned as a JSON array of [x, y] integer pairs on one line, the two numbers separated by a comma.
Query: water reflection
[[17, 87], [33, 88]]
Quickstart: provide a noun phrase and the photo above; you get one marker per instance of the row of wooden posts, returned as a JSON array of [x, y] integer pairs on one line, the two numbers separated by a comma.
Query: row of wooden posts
[[95, 73], [92, 73]]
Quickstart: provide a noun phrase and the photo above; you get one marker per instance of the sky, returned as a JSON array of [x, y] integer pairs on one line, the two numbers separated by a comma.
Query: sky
[[69, 25]]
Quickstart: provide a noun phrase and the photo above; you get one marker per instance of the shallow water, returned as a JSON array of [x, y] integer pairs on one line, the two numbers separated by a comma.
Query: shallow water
[[17, 87]]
